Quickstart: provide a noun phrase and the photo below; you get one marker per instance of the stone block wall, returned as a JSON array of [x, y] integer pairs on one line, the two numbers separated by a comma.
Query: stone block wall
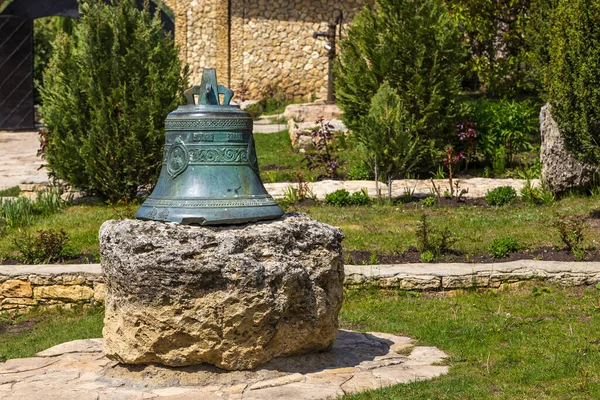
[[255, 44], [21, 292]]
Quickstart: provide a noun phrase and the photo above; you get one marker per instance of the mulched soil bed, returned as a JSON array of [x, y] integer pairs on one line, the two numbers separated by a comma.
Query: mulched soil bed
[[414, 256]]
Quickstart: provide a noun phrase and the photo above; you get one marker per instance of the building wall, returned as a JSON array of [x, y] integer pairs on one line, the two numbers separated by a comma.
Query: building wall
[[257, 44]]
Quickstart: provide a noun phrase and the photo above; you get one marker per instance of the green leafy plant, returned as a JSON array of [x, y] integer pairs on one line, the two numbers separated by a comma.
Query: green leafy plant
[[16, 212], [360, 172], [536, 195], [504, 127], [43, 246], [343, 198], [501, 195], [301, 192], [432, 239], [107, 91], [496, 33], [502, 247], [373, 260], [428, 201], [427, 256], [571, 230], [408, 48]]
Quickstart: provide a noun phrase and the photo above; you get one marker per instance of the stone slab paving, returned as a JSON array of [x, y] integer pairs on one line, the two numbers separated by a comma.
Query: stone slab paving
[[477, 187], [357, 362], [18, 160]]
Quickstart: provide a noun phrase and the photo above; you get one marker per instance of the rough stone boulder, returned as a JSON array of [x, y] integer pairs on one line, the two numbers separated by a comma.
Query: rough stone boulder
[[301, 133], [302, 121], [560, 170], [311, 112], [234, 296]]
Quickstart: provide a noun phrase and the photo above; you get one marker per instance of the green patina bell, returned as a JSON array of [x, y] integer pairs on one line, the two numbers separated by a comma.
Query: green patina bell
[[209, 174]]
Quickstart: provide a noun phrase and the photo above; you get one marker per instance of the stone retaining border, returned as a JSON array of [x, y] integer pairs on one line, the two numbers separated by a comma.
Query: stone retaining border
[[27, 286]]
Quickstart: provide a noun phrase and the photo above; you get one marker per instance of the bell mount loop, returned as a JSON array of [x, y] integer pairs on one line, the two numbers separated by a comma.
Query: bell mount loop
[[208, 91]]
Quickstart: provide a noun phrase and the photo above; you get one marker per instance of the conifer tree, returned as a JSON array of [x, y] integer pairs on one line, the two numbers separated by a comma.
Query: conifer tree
[[415, 46], [573, 76], [388, 135], [107, 91]]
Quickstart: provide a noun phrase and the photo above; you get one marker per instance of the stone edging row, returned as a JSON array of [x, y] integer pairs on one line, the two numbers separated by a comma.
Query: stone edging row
[[26, 286]]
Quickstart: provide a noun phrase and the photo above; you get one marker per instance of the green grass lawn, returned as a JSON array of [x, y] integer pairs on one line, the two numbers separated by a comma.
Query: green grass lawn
[[390, 229], [278, 161], [10, 192], [514, 343], [25, 335], [518, 344], [385, 229]]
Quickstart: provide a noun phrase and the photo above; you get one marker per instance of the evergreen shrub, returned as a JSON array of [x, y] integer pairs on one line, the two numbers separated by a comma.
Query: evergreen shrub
[[414, 47], [107, 91], [574, 76]]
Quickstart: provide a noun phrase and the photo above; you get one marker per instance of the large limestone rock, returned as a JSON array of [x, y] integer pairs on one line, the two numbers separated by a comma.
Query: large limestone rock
[[560, 170], [301, 133], [234, 297], [303, 120], [311, 112]]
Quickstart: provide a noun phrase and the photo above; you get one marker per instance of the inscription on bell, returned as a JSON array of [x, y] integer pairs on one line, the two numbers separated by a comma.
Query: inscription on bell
[[203, 137], [235, 137]]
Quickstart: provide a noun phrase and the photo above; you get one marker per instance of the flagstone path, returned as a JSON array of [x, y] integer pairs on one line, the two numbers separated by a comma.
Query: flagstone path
[[78, 370]]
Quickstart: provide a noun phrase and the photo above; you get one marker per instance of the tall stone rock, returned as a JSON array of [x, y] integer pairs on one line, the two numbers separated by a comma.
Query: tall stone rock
[[561, 172], [233, 296]]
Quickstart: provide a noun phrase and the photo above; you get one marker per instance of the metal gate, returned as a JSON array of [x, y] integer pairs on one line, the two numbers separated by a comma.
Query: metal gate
[[16, 73]]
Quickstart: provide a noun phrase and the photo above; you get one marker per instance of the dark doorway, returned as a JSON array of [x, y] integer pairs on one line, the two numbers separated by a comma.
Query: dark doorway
[[16, 73]]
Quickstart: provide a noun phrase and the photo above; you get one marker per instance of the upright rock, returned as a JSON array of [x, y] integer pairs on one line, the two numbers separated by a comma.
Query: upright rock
[[234, 296], [303, 120], [560, 170]]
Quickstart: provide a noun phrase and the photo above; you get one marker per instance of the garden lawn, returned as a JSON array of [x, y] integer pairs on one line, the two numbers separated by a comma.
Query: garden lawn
[[25, 335], [277, 159], [527, 343], [81, 223], [519, 342], [391, 229], [382, 229]]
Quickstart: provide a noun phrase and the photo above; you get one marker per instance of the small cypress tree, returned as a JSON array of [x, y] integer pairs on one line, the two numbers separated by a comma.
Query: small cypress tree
[[415, 46], [106, 94], [574, 76], [388, 134]]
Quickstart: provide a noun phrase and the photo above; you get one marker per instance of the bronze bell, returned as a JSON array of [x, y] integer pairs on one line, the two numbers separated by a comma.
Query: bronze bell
[[209, 174]]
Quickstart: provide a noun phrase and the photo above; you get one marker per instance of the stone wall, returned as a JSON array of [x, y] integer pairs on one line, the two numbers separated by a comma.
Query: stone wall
[[23, 287], [30, 288], [255, 44]]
